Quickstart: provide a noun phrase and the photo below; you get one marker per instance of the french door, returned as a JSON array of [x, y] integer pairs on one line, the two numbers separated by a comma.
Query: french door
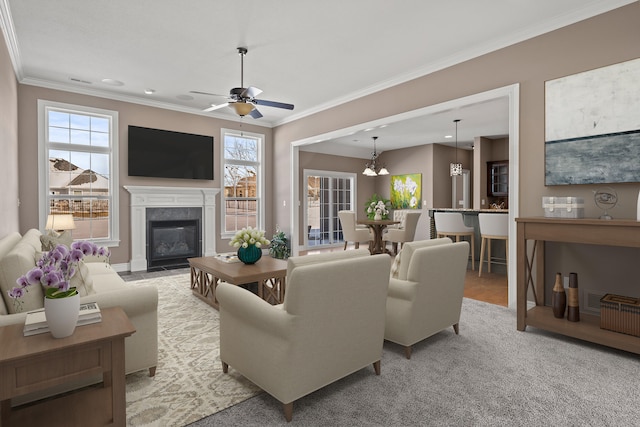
[[327, 193]]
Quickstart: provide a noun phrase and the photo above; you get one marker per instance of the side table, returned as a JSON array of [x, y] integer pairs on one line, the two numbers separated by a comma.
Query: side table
[[39, 362]]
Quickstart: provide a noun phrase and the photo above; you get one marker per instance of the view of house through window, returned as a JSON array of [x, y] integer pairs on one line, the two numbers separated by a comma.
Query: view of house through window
[[242, 181], [78, 147], [327, 193]]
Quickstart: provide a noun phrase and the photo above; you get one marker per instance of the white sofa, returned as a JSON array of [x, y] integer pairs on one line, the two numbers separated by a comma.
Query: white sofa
[[18, 254], [330, 325]]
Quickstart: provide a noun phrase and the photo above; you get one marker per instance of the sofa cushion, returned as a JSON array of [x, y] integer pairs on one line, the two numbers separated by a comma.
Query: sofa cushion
[[16, 263], [50, 241]]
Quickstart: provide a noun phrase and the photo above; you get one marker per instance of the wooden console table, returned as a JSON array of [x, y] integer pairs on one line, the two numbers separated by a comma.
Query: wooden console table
[[38, 362], [624, 233]]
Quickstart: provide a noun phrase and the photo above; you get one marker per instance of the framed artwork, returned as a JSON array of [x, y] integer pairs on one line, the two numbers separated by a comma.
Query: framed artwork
[[592, 126], [406, 191]]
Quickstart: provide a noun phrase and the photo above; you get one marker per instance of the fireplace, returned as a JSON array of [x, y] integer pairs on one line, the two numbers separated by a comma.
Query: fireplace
[[172, 242]]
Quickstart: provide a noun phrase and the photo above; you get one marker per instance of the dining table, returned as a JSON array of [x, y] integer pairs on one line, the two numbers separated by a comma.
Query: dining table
[[377, 226]]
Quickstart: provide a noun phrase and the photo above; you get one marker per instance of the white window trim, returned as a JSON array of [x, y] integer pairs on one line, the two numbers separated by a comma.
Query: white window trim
[[43, 166], [260, 222]]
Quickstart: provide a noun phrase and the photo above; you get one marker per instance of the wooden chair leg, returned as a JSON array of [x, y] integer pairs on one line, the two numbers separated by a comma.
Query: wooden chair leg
[[225, 367], [152, 371], [489, 256], [376, 367], [357, 245], [484, 240], [288, 411], [395, 248], [407, 351], [456, 328], [345, 245], [473, 252]]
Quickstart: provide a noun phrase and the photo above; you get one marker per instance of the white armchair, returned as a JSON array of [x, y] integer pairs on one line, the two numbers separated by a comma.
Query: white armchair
[[405, 232], [426, 297], [330, 325], [350, 232]]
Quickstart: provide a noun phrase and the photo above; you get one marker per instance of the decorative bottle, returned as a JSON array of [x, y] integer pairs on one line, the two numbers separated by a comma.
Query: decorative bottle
[[558, 298], [573, 312]]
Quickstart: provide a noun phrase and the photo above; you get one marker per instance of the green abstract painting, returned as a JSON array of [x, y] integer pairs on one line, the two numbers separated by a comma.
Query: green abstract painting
[[406, 191]]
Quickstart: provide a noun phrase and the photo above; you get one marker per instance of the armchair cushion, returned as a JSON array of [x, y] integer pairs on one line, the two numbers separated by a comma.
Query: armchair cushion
[[410, 247]]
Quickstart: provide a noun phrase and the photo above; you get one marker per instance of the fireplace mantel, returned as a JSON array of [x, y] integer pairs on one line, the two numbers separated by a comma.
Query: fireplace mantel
[[143, 197]]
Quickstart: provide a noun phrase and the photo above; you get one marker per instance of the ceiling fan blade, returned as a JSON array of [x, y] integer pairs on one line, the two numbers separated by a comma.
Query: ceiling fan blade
[[255, 113], [216, 107], [251, 92], [206, 93], [273, 104]]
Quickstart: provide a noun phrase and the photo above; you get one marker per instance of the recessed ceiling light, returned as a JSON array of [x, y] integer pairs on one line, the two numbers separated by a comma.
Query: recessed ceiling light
[[185, 97], [149, 91], [112, 82], [368, 129], [448, 136]]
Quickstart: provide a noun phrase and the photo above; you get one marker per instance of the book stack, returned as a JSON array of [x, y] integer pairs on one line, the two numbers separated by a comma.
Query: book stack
[[36, 321], [228, 257]]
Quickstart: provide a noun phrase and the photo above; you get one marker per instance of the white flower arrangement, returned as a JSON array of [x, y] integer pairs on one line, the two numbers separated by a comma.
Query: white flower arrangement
[[377, 206], [249, 237]]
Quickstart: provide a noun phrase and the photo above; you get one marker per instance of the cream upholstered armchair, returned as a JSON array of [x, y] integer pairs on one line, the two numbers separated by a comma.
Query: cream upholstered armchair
[[350, 232], [426, 296], [405, 232], [330, 325]]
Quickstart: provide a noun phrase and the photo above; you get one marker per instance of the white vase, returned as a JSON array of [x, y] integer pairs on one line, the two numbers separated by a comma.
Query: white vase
[[62, 315], [377, 217]]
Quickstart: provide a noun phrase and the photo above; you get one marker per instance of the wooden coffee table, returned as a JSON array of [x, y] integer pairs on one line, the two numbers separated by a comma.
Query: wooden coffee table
[[208, 272], [34, 363]]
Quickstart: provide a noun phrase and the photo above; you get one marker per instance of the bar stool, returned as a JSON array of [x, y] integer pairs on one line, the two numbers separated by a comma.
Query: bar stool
[[452, 224], [493, 226]]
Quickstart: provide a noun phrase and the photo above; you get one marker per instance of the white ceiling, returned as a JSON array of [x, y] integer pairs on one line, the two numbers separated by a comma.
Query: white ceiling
[[312, 54]]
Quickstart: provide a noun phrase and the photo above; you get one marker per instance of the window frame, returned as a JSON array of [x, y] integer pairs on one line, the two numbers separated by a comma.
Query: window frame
[[44, 107], [260, 185]]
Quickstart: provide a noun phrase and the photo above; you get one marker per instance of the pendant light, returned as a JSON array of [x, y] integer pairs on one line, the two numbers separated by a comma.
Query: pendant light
[[455, 169], [370, 168]]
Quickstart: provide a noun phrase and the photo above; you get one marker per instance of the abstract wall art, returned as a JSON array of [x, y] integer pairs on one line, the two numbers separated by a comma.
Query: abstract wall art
[[592, 126]]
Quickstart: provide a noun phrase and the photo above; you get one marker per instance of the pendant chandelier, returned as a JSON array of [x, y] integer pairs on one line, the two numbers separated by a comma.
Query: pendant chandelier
[[455, 169], [371, 168]]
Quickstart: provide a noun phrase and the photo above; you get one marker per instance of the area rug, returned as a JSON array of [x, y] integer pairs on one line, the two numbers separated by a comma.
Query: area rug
[[189, 383]]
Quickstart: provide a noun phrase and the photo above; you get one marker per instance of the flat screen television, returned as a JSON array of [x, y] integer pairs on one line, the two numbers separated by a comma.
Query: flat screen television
[[167, 154]]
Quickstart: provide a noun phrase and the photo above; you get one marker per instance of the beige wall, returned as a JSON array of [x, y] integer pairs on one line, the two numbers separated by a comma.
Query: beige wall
[[9, 221], [128, 114], [603, 40]]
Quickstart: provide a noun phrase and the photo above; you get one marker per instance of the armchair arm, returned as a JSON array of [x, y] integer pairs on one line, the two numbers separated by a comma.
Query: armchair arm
[[402, 289], [254, 311]]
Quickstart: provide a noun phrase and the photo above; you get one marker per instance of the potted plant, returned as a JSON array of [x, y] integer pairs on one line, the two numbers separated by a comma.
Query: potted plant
[[249, 242], [279, 245], [377, 208]]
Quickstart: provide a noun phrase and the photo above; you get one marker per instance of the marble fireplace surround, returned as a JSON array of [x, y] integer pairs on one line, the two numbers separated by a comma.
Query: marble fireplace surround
[[143, 197]]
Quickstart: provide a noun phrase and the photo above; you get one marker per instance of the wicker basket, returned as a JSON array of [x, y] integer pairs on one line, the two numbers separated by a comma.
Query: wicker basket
[[620, 314]]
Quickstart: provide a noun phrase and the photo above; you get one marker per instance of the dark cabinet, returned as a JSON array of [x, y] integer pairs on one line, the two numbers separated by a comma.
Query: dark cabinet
[[498, 178]]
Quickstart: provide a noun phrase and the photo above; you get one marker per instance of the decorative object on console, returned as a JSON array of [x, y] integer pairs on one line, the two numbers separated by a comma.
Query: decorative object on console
[[563, 207], [279, 245], [573, 312], [620, 314], [605, 198], [249, 242], [371, 168], [406, 191], [455, 169], [559, 298], [377, 208]]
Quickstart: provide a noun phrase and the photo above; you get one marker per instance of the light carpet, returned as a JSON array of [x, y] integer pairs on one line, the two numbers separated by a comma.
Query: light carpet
[[489, 375], [189, 383]]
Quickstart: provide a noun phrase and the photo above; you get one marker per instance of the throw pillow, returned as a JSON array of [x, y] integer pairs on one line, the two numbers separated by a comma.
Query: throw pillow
[[13, 265], [395, 267], [50, 241], [82, 280]]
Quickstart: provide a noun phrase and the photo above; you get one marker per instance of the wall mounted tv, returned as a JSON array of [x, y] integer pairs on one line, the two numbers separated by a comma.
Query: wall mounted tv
[[167, 154]]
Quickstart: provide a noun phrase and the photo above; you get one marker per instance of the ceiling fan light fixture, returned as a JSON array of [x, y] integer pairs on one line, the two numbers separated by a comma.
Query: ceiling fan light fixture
[[242, 108]]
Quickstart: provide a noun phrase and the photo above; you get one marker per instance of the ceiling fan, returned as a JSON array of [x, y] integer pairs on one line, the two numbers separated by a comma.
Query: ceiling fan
[[243, 100]]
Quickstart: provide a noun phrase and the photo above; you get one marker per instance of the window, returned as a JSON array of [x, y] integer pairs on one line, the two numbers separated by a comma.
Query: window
[[242, 159], [78, 149]]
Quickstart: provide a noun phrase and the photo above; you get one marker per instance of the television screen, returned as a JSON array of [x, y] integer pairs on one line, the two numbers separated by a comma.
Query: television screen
[[168, 154]]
